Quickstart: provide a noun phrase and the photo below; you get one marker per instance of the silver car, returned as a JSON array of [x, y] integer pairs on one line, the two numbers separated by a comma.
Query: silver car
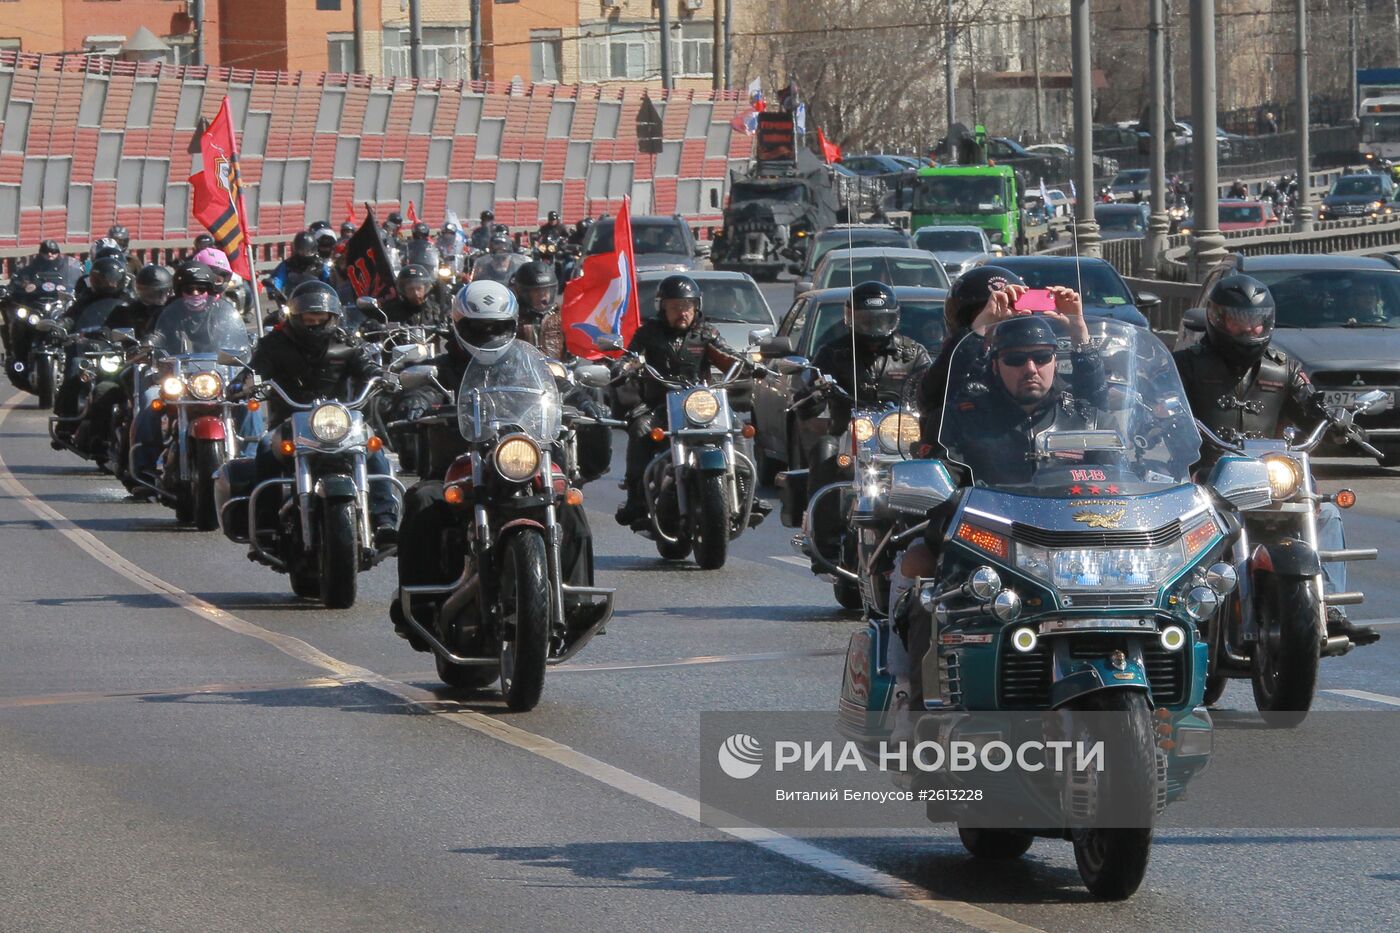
[[958, 247]]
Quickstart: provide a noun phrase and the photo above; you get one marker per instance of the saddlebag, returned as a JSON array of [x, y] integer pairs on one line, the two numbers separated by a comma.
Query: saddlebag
[[232, 485], [594, 450], [792, 493]]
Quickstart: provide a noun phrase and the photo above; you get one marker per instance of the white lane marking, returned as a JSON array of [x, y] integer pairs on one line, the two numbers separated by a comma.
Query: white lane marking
[[795, 561], [1366, 695], [1376, 622], [805, 853]]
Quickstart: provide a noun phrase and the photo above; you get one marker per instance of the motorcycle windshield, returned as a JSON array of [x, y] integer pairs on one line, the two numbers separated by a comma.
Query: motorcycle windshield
[[62, 271], [95, 314], [515, 392], [1029, 412], [183, 329], [498, 268], [421, 253]]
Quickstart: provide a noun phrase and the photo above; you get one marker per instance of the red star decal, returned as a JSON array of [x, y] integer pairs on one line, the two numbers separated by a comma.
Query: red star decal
[[1094, 490], [1113, 489], [1074, 490]]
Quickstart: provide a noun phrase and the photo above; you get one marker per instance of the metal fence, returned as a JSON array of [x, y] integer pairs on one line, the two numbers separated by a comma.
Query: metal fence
[[1331, 146]]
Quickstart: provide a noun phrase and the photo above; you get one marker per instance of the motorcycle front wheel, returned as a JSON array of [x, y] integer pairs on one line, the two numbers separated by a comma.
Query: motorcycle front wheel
[[710, 521], [1112, 861], [1288, 652], [340, 554], [46, 382], [208, 458], [524, 614]]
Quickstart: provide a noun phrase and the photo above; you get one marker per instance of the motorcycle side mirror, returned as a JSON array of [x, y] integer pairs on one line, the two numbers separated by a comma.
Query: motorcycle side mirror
[[228, 359], [760, 334], [607, 342], [415, 376], [121, 334], [1369, 403], [775, 347], [593, 376], [791, 365], [1194, 320], [368, 305], [702, 250], [1146, 300]]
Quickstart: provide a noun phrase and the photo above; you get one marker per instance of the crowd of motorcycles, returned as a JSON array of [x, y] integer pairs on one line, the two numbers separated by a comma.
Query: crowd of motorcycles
[[1114, 581]]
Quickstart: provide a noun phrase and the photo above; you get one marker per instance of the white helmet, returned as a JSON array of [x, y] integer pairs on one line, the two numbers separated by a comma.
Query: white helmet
[[484, 317]]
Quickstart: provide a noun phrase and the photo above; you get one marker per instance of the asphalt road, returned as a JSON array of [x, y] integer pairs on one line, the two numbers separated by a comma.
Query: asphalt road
[[185, 744]]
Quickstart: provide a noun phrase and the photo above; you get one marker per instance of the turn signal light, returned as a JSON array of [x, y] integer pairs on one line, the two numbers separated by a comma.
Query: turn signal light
[[843, 460], [157, 404], [658, 434], [454, 495], [984, 540], [254, 405], [1344, 498], [288, 448], [748, 430], [374, 444], [574, 497]]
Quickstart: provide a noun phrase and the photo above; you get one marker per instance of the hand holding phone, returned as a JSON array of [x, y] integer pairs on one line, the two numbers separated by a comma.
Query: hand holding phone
[[1036, 299]]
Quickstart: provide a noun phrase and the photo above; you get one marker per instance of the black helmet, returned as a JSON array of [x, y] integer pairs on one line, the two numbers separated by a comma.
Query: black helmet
[[121, 235], [413, 274], [195, 277], [319, 225], [488, 216], [395, 218], [534, 276], [679, 286], [313, 298], [202, 242], [422, 231], [154, 286], [49, 248], [872, 311], [304, 245], [554, 217], [107, 278], [502, 239], [347, 230], [584, 225], [1025, 330], [1240, 318], [971, 292]]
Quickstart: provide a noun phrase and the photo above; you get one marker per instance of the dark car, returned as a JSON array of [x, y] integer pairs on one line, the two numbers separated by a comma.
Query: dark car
[[1121, 221], [1129, 184], [876, 164], [1005, 151], [811, 320], [660, 243], [1103, 289], [1337, 315], [1362, 195], [847, 236]]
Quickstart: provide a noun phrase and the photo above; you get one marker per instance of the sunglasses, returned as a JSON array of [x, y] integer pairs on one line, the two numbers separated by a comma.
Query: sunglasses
[[1018, 358], [199, 289]]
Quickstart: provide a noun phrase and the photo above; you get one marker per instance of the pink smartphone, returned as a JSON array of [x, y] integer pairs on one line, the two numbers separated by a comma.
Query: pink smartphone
[[1036, 299]]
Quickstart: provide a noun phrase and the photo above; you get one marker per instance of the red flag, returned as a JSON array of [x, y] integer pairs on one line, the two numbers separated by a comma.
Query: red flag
[[350, 217], [218, 192], [412, 214], [603, 299], [830, 151]]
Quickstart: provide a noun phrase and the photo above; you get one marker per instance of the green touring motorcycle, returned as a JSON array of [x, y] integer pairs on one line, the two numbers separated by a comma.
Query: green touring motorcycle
[[1074, 573]]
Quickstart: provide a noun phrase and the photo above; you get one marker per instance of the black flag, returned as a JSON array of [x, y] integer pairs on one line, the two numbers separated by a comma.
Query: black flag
[[367, 262]]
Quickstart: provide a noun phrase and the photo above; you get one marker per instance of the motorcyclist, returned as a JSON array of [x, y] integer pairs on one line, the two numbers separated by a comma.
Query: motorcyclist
[[580, 231], [680, 346], [122, 236], [415, 304], [392, 229], [203, 241], [484, 321], [553, 226], [421, 231], [501, 263], [536, 289], [869, 360], [303, 265], [231, 284], [106, 280], [325, 243], [1237, 384], [1238, 190], [154, 288], [309, 357], [482, 235], [48, 272]]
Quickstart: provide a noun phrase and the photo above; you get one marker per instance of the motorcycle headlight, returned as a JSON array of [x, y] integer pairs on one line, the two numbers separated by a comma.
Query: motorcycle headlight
[[863, 429], [109, 364], [898, 432], [172, 387], [517, 458], [33, 319], [702, 406], [330, 423], [207, 385], [445, 272], [1284, 476]]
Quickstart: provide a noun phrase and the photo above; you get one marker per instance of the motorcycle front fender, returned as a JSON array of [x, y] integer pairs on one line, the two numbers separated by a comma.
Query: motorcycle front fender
[[1090, 675], [709, 461], [336, 488], [1290, 557], [207, 428]]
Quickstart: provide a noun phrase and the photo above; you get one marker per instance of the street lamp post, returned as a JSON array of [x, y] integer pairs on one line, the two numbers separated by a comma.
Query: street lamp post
[[1086, 229], [1207, 245], [950, 75], [1302, 214], [1158, 225]]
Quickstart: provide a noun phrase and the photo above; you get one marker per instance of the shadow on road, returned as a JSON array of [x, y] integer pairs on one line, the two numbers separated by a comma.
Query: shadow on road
[[781, 613]]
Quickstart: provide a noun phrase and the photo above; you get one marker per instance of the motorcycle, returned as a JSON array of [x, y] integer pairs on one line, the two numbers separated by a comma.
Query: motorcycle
[[313, 525], [1274, 629], [1074, 588], [96, 357], [519, 604], [33, 304], [697, 496]]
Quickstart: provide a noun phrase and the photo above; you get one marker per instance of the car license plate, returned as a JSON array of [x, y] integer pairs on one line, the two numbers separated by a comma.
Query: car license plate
[[1345, 398]]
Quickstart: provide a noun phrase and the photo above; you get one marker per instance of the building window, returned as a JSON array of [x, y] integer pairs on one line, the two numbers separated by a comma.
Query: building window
[[632, 51], [340, 52], [444, 52], [10, 45], [104, 45], [546, 55], [693, 49]]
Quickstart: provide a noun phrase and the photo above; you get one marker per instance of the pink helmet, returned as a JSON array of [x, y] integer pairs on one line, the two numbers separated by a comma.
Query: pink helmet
[[214, 258]]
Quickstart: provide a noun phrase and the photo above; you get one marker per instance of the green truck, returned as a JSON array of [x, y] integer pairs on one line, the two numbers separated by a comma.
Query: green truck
[[985, 196]]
